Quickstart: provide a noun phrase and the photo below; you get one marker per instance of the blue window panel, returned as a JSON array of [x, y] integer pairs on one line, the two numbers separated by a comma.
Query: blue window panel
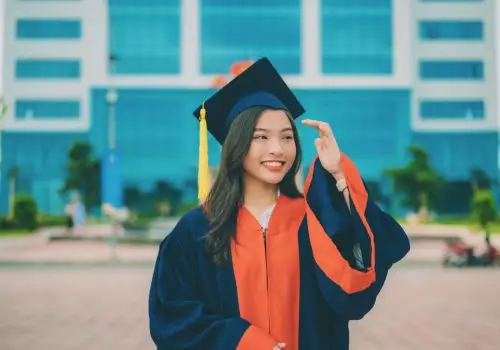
[[47, 109], [466, 110], [451, 30], [144, 35], [247, 30], [48, 29], [455, 154], [47, 69], [357, 37], [472, 70], [41, 158], [371, 126]]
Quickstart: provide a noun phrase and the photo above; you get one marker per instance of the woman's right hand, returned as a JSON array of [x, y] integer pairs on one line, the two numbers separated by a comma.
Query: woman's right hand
[[279, 346]]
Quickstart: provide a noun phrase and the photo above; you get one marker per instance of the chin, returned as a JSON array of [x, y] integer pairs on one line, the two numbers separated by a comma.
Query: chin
[[274, 179]]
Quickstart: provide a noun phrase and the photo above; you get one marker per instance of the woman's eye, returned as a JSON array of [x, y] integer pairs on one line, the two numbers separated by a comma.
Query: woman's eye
[[260, 137]]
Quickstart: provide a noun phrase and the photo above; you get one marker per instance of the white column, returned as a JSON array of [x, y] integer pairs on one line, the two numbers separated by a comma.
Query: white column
[[190, 39], [310, 38], [403, 38]]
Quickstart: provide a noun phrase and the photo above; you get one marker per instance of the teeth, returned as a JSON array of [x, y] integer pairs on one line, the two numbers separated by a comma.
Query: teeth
[[273, 163]]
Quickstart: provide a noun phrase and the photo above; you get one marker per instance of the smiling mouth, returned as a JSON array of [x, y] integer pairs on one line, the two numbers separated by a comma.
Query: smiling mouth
[[273, 165]]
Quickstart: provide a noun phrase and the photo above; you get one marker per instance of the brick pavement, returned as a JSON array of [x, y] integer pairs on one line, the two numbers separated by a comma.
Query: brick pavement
[[106, 309], [79, 252], [83, 252]]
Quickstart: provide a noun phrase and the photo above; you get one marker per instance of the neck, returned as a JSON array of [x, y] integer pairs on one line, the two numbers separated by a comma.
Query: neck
[[259, 194]]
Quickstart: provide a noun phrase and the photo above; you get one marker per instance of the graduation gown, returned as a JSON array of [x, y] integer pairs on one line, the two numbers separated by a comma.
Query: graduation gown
[[317, 267]]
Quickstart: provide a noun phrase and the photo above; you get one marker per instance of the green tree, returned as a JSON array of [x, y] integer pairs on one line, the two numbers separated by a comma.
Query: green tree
[[483, 209], [83, 174], [479, 179], [165, 192], [417, 181], [25, 212]]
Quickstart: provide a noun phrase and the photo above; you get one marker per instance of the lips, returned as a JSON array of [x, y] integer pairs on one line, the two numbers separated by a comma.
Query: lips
[[274, 165]]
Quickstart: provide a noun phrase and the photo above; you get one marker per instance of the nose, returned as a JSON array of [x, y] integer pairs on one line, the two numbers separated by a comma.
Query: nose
[[275, 147]]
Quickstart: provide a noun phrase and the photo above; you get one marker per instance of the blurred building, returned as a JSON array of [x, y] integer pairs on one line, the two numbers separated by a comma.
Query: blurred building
[[385, 74]]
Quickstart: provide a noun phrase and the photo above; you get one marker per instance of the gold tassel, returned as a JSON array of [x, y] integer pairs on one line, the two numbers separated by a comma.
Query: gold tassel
[[203, 172]]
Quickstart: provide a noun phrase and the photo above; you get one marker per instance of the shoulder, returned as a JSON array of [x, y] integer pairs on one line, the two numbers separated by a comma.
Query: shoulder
[[189, 230]]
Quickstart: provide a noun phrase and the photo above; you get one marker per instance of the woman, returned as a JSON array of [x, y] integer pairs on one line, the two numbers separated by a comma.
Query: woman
[[259, 265]]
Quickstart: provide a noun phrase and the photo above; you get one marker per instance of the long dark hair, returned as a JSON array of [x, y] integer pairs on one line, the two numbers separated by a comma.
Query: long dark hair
[[226, 194]]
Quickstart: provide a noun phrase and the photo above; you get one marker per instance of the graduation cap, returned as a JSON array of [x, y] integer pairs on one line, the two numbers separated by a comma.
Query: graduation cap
[[258, 85]]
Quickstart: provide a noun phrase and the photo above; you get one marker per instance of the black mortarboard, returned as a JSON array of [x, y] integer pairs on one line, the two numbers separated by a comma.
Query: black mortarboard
[[258, 85]]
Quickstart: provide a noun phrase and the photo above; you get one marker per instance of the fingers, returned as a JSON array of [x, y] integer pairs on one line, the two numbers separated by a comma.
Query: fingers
[[323, 128], [320, 145]]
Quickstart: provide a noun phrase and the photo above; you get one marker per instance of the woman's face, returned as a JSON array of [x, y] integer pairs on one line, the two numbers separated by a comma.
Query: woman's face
[[272, 150]]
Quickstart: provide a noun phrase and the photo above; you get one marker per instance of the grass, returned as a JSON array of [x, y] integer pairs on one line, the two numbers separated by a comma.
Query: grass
[[14, 233], [494, 227]]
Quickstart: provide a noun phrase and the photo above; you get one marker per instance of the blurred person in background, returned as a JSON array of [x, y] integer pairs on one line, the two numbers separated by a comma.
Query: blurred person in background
[[75, 214]]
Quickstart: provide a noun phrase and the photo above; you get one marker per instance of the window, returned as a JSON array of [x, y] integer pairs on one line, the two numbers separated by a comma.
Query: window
[[357, 37], [473, 70], [144, 36], [48, 29], [47, 109], [247, 30], [455, 154], [451, 30], [47, 69], [467, 110]]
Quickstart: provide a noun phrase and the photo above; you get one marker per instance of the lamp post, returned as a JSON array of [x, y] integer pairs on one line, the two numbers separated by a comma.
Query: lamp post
[[111, 168], [111, 99]]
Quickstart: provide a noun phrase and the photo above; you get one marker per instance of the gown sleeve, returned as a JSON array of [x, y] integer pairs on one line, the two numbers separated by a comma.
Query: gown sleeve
[[353, 249], [178, 318]]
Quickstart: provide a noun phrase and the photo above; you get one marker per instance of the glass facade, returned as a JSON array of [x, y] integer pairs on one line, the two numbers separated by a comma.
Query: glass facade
[[47, 109], [158, 139], [454, 154], [144, 35], [47, 69], [241, 30], [356, 37], [35, 29], [156, 134], [452, 70], [41, 159]]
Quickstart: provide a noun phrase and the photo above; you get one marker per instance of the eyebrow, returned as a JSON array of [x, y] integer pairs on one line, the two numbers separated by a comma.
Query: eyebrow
[[267, 130]]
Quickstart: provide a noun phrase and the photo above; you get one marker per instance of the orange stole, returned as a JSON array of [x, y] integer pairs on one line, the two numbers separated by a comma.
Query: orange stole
[[268, 278]]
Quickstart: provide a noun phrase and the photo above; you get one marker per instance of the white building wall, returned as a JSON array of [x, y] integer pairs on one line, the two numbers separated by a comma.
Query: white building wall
[[92, 50], [485, 90]]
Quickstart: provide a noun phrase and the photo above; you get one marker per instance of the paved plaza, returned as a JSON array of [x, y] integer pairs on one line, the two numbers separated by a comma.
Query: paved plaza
[[105, 308]]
